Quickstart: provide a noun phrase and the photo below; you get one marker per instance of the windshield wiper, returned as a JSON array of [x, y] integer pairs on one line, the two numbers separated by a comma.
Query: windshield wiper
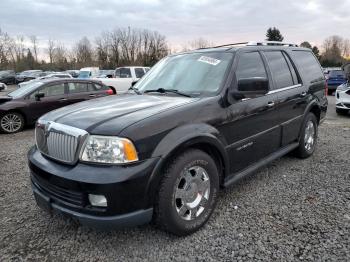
[[163, 91], [135, 90]]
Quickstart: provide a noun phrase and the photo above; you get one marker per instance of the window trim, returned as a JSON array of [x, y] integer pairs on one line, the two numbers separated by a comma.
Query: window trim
[[284, 89]]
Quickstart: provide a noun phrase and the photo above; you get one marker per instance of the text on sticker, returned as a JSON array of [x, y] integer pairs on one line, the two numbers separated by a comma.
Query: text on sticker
[[209, 60]]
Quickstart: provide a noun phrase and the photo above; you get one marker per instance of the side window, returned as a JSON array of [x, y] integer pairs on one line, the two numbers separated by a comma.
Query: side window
[[100, 87], [308, 65], [250, 65], [296, 78], [74, 88], [139, 72], [123, 73], [52, 90], [91, 87], [117, 73], [279, 69]]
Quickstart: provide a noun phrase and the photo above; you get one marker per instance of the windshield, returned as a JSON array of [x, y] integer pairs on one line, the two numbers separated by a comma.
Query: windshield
[[192, 74], [25, 90], [336, 73], [84, 74]]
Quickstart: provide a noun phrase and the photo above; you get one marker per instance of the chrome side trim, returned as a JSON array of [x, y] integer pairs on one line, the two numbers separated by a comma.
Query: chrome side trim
[[284, 89]]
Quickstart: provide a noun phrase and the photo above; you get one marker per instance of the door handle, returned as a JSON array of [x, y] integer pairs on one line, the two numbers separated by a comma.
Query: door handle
[[92, 95], [271, 104], [303, 94], [63, 99]]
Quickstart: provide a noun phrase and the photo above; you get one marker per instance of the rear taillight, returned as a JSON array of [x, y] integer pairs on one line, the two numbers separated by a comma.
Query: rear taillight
[[110, 92], [326, 89]]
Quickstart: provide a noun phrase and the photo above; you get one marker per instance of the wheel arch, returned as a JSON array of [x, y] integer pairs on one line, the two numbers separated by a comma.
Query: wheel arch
[[205, 142], [18, 111], [314, 108]]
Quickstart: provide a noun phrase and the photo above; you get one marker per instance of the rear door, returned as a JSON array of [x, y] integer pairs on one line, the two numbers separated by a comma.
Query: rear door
[[252, 130], [81, 91], [291, 94]]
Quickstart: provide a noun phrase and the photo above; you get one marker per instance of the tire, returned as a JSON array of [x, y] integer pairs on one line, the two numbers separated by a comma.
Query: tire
[[308, 137], [11, 122], [188, 193], [341, 111]]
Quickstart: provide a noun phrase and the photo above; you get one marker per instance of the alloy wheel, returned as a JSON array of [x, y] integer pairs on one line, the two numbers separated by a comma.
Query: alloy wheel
[[309, 138], [192, 193], [11, 123]]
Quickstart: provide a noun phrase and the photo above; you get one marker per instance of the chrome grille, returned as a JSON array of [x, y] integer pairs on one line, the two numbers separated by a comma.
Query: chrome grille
[[62, 146], [59, 142]]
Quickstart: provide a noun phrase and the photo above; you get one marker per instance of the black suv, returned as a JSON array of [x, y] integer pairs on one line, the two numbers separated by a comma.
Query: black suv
[[197, 122]]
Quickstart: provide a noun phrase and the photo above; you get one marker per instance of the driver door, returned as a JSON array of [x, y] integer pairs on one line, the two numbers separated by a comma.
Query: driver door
[[54, 97], [252, 130]]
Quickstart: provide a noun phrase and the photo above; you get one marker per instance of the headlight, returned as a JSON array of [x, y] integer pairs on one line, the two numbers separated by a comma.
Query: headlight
[[110, 150]]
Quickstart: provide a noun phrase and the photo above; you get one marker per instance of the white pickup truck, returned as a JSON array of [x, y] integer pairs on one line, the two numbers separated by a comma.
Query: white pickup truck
[[124, 76]]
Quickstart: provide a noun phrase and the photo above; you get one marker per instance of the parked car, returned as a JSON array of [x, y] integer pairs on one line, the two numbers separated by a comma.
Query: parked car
[[105, 74], [342, 93], [335, 79], [124, 77], [8, 77], [26, 104], [28, 75], [197, 122], [88, 72], [52, 75], [3, 87], [73, 73]]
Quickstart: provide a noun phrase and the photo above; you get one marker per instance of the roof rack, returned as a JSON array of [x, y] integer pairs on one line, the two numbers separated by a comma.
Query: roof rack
[[226, 45], [266, 43], [255, 43]]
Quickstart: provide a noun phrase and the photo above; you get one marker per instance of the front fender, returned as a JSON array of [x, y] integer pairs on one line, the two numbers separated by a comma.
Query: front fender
[[184, 137]]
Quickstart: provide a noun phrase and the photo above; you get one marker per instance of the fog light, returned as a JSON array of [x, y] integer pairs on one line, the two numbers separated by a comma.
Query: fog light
[[98, 200]]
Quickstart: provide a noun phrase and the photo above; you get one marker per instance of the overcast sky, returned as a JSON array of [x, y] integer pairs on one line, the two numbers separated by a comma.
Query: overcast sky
[[220, 21]]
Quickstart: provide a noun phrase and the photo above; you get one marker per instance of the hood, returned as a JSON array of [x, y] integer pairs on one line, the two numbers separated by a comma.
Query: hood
[[114, 112], [4, 99]]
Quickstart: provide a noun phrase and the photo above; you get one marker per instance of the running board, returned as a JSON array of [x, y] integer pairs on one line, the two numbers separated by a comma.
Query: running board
[[263, 162]]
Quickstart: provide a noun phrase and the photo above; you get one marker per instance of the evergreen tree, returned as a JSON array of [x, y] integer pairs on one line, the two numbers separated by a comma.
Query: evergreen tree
[[273, 34], [306, 44], [316, 51]]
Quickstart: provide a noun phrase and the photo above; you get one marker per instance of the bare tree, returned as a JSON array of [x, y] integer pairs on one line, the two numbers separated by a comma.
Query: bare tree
[[59, 57], [333, 51], [34, 41], [50, 50], [84, 52]]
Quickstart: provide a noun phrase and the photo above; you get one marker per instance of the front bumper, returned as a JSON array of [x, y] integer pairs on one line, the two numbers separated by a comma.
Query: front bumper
[[108, 222], [64, 189], [342, 99]]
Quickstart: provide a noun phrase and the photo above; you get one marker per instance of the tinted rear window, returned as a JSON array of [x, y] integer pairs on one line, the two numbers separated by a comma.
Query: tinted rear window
[[308, 66], [279, 69]]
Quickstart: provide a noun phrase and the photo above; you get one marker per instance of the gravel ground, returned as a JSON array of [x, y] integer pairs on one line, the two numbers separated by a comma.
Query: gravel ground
[[291, 210]]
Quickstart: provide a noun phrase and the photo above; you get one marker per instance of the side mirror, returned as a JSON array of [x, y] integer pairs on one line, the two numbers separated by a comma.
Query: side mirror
[[251, 87], [38, 96]]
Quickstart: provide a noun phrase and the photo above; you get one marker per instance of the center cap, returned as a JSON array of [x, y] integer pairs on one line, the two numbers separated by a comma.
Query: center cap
[[192, 192]]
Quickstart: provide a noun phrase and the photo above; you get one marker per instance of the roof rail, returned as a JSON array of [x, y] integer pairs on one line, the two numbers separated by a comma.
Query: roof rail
[[226, 45], [254, 43], [267, 43]]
